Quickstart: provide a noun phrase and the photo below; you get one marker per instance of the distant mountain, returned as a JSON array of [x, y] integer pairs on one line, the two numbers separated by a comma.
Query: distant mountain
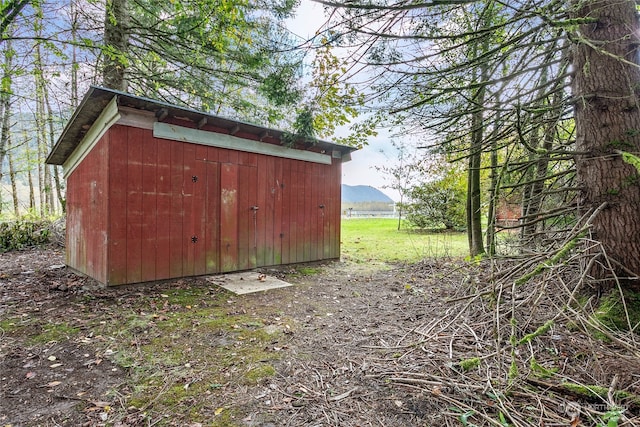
[[363, 194]]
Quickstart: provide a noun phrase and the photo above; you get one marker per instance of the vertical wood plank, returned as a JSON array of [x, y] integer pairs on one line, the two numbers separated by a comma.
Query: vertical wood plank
[[324, 198], [270, 184], [149, 204], [163, 206], [228, 217], [177, 209], [336, 180], [252, 190], [261, 214], [300, 212], [309, 213], [212, 215], [245, 217], [213, 154], [294, 226], [117, 256], [199, 211], [134, 211], [100, 198], [277, 210], [189, 227], [286, 211]]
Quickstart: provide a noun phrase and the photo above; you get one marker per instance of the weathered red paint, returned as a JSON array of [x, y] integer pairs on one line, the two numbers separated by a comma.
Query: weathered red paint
[[142, 209]]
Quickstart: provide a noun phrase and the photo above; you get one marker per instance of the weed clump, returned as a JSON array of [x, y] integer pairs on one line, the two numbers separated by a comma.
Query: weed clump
[[21, 234]]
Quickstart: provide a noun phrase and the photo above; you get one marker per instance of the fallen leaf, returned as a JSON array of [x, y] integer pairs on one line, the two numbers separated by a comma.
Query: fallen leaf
[[398, 403], [54, 383], [105, 405], [218, 411], [30, 375], [55, 365], [51, 358]]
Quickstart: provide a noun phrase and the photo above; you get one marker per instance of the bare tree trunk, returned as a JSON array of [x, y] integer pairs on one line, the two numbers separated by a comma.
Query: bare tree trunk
[[11, 10], [546, 123], [73, 7], [14, 187], [54, 170], [474, 207], [493, 189], [116, 41], [5, 107], [40, 131], [32, 192], [607, 113]]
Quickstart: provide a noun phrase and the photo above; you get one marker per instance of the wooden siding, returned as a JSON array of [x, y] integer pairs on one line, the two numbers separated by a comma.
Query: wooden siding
[[142, 208], [87, 218]]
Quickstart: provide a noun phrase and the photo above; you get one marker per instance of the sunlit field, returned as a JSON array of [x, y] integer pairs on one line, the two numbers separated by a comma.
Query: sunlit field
[[378, 240]]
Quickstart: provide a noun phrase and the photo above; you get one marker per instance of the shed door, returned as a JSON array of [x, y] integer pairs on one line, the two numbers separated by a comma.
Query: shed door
[[228, 217], [194, 194], [199, 193], [239, 215]]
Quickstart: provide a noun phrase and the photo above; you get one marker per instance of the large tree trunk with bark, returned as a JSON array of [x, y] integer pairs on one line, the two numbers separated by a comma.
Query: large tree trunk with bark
[[116, 42], [606, 85]]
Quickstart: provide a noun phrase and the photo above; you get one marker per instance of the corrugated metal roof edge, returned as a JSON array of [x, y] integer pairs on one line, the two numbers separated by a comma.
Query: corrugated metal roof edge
[[97, 98]]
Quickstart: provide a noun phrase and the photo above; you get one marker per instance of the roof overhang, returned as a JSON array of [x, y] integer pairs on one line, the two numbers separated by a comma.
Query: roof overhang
[[97, 99]]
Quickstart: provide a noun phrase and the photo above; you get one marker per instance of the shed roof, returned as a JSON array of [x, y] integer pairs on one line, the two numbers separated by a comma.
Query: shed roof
[[97, 98]]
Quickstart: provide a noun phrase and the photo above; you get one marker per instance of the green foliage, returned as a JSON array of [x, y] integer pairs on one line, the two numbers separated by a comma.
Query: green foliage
[[513, 369], [469, 364], [228, 57], [611, 418], [541, 371], [615, 314], [541, 330], [21, 234], [595, 391], [440, 202], [561, 254], [277, 86], [631, 159], [333, 102]]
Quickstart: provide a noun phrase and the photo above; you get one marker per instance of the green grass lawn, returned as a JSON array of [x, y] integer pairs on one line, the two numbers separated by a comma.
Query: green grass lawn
[[378, 240]]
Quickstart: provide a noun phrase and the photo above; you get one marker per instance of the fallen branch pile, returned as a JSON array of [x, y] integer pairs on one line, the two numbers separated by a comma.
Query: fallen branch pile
[[522, 344]]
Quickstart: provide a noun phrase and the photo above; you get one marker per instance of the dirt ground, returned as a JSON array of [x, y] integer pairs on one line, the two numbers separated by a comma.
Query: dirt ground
[[355, 345]]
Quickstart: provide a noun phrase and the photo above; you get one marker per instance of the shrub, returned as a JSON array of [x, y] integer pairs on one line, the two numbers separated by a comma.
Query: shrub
[[437, 203], [21, 234]]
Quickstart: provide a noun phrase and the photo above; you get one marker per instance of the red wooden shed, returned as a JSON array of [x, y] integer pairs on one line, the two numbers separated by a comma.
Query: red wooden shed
[[156, 191]]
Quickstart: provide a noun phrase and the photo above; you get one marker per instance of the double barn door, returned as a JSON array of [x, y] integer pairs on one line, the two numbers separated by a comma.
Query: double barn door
[[178, 209], [243, 210]]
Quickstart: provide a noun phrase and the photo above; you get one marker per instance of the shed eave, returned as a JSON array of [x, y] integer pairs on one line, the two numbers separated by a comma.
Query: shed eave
[[82, 119], [97, 98]]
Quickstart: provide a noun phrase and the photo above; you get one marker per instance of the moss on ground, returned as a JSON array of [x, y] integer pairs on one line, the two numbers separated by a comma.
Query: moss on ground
[[168, 367], [616, 314]]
